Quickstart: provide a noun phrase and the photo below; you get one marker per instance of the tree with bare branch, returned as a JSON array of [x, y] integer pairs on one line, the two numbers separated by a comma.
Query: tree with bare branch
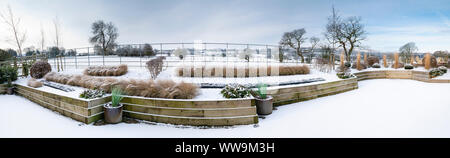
[[18, 36], [313, 41], [42, 40], [294, 40], [57, 24], [105, 35], [347, 33]]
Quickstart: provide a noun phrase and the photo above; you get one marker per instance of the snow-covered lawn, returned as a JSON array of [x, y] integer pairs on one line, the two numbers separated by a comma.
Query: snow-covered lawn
[[379, 108]]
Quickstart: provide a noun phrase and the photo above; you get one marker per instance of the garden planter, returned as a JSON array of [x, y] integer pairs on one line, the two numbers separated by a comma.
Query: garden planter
[[10, 91], [264, 106], [113, 114]]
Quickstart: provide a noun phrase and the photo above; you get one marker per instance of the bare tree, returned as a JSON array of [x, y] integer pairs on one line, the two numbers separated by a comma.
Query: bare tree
[[406, 51], [42, 40], [56, 23], [332, 28], [347, 33], [105, 35], [294, 40], [18, 37], [313, 41]]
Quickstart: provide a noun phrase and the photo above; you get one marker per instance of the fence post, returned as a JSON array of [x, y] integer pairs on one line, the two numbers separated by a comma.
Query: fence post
[[54, 62], [89, 60], [140, 55], [160, 49], [120, 57], [76, 62], [103, 56], [64, 58]]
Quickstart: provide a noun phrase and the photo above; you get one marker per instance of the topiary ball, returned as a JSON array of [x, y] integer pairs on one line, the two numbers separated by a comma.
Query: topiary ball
[[40, 69]]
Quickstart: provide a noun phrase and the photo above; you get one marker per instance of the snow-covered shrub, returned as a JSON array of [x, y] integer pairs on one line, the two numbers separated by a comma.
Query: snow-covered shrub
[[261, 93], [443, 69], [180, 53], [235, 91], [39, 69], [376, 65], [344, 75], [372, 60], [437, 72], [183, 90], [409, 67], [155, 67], [145, 88], [91, 94], [34, 83], [106, 70]]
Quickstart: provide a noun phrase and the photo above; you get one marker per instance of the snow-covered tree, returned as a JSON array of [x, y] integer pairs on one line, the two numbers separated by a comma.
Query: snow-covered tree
[[180, 52], [246, 54]]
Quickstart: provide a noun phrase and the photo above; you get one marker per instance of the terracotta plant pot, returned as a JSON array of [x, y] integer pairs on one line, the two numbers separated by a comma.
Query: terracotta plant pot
[[113, 114], [264, 106]]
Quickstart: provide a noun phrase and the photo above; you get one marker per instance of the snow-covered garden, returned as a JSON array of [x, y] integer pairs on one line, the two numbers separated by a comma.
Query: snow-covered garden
[[378, 108]]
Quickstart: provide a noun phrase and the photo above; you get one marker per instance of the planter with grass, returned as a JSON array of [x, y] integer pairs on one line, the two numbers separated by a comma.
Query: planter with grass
[[264, 102], [113, 111]]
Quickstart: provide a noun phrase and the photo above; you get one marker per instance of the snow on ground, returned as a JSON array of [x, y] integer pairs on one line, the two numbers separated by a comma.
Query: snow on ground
[[379, 108], [445, 76]]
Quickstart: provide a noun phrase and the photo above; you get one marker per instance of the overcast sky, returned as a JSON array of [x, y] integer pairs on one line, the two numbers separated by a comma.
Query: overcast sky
[[389, 24]]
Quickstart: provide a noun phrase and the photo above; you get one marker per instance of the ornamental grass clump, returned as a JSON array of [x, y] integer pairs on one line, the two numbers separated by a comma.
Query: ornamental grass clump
[[235, 91], [106, 70], [236, 72], [358, 62], [344, 75], [384, 61], [376, 65], [409, 67], [145, 88], [34, 83], [261, 93]]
